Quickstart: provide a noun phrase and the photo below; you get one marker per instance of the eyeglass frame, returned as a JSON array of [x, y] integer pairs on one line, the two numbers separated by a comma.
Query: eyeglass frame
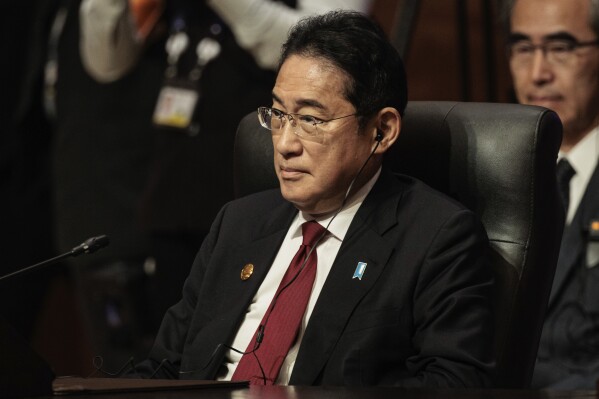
[[293, 121], [570, 45]]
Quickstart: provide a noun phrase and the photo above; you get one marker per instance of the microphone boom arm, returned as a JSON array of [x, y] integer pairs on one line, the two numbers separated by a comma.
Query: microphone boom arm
[[88, 246]]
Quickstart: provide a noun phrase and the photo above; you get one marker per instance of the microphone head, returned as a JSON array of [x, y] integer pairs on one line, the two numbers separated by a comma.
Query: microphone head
[[91, 245]]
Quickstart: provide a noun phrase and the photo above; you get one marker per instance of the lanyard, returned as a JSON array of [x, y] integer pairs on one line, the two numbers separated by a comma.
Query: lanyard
[[207, 46]]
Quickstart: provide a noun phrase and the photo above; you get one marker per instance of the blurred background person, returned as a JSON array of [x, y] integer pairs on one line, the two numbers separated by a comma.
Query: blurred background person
[[554, 61], [100, 156]]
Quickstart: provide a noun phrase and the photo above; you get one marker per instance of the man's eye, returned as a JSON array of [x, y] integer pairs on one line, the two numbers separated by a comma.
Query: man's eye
[[309, 119], [560, 47], [276, 113], [522, 48]]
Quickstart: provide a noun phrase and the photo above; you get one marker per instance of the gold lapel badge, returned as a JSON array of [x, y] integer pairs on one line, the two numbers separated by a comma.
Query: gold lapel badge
[[247, 271]]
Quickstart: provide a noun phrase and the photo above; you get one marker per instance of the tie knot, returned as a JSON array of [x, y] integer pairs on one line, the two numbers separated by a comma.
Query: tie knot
[[564, 171], [311, 232]]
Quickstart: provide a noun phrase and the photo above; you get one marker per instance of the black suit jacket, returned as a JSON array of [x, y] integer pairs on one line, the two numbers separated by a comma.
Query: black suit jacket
[[568, 354], [419, 317]]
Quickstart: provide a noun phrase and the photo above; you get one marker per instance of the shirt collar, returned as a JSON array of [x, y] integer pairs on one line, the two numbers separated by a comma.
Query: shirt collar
[[583, 156], [340, 225]]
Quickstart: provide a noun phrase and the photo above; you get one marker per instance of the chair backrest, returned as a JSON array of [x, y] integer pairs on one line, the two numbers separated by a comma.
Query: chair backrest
[[499, 161]]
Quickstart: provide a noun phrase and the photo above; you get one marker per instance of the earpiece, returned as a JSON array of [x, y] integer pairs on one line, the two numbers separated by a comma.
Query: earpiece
[[379, 136]]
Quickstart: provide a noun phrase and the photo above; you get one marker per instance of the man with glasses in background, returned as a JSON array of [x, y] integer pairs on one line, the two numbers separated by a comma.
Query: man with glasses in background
[[391, 284], [554, 61]]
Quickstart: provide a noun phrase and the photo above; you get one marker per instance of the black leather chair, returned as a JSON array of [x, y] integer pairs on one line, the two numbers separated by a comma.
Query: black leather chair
[[498, 160]]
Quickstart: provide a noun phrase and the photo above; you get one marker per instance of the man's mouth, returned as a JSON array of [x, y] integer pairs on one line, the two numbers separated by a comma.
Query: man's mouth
[[544, 100], [288, 172]]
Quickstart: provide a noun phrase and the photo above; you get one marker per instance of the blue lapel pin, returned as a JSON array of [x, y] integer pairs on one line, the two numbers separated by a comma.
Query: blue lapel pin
[[359, 272]]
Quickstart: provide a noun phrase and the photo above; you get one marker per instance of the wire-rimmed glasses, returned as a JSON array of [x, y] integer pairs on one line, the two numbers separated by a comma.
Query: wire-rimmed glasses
[[556, 51], [305, 126]]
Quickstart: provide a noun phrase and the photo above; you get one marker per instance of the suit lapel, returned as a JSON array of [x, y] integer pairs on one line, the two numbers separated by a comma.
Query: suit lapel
[[573, 241], [260, 253], [341, 293], [237, 294]]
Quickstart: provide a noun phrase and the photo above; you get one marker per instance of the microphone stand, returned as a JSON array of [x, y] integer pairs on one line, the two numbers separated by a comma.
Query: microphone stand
[[41, 264], [88, 246]]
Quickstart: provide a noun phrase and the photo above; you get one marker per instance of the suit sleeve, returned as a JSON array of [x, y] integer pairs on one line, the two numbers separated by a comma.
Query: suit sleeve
[[109, 44], [453, 321]]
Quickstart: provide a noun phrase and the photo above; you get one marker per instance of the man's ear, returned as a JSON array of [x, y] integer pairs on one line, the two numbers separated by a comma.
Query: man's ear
[[388, 127]]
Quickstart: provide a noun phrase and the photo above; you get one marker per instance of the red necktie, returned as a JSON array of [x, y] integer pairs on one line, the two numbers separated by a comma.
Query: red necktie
[[282, 322]]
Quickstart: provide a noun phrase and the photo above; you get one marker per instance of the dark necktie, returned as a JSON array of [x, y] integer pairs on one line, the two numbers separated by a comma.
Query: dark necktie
[[281, 323], [564, 172]]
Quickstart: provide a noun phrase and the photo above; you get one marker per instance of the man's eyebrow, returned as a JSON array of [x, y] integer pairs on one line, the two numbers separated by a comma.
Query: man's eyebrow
[[311, 103], [561, 35], [275, 98], [302, 102], [517, 37]]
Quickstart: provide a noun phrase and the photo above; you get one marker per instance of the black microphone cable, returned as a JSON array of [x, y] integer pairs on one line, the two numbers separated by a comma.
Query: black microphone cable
[[98, 363]]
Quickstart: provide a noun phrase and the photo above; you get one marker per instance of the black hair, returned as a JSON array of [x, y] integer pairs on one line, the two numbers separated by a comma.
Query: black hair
[[354, 43]]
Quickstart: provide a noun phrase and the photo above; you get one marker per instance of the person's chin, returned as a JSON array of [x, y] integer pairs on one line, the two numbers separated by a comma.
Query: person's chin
[[552, 102], [292, 191], [555, 106]]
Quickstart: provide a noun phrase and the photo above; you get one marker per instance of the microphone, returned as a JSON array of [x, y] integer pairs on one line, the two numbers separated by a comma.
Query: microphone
[[88, 246]]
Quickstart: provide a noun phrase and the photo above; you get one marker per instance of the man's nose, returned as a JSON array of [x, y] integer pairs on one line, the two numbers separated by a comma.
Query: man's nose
[[541, 69], [288, 141]]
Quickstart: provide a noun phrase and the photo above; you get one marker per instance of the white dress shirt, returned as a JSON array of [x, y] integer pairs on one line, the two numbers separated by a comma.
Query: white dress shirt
[[583, 158]]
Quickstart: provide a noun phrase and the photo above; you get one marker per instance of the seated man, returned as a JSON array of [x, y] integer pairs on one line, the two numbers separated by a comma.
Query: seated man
[[395, 288], [554, 62]]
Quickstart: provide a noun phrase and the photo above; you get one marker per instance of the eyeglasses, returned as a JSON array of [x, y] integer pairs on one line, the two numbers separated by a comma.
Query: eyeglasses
[[305, 126], [557, 52]]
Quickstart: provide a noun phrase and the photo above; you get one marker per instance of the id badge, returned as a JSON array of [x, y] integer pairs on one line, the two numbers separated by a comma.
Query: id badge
[[180, 94], [176, 105]]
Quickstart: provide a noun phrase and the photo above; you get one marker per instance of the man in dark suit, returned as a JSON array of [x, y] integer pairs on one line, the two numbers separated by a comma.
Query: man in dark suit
[[401, 286], [554, 60]]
